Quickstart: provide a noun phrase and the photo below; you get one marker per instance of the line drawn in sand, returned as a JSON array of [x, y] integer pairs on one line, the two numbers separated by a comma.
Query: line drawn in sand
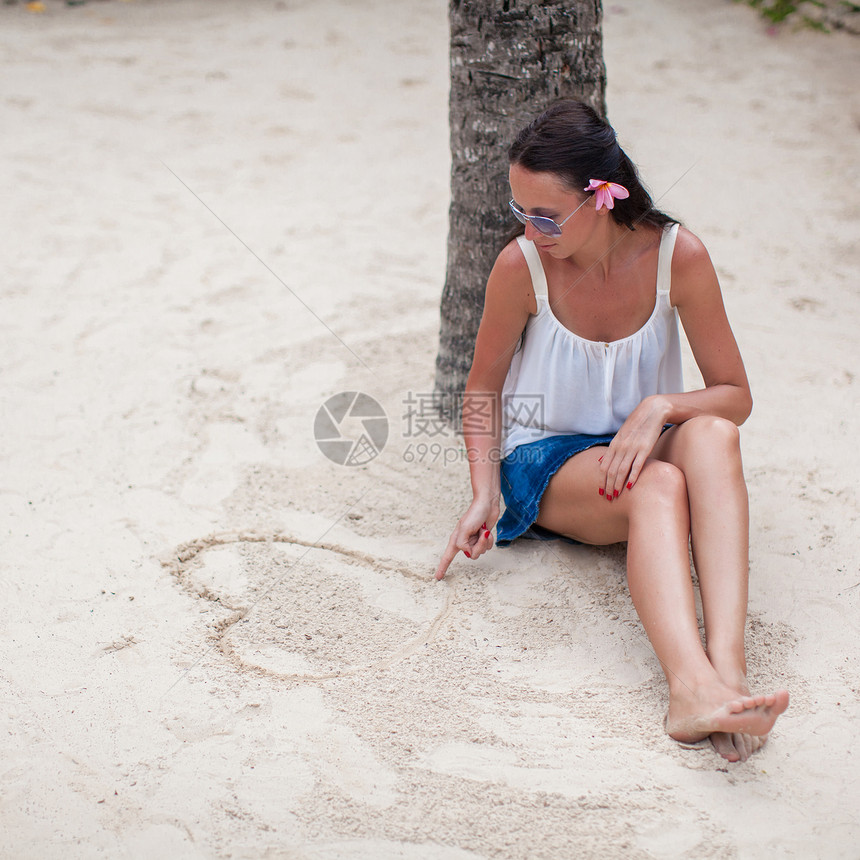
[[324, 612]]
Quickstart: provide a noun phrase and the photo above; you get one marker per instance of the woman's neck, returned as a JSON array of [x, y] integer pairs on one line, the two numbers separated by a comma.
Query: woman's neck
[[607, 243]]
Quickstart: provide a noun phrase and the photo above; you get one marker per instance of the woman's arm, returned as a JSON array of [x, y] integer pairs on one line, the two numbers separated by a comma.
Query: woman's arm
[[508, 301], [696, 294]]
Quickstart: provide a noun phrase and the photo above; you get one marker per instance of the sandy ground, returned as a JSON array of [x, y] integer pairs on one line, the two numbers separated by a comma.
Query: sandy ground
[[218, 643]]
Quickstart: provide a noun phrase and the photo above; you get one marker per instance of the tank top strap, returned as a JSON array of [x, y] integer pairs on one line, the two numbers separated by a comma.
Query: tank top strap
[[535, 266], [664, 258]]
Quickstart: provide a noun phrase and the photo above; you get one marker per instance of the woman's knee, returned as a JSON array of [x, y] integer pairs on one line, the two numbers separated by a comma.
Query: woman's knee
[[713, 431], [662, 483], [709, 442]]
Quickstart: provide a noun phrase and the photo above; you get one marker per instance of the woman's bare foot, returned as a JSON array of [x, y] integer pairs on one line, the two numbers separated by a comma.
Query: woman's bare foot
[[735, 746], [717, 709]]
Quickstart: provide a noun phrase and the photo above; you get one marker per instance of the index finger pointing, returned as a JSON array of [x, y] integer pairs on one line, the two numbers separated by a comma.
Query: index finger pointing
[[447, 557]]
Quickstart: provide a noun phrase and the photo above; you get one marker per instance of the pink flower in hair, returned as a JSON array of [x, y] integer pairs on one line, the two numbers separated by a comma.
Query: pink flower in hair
[[606, 193]]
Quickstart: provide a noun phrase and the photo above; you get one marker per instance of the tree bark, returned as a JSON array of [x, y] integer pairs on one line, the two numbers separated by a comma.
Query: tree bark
[[510, 59]]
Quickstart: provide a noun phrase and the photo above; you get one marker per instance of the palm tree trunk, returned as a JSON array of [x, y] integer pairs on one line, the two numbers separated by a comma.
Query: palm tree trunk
[[510, 59]]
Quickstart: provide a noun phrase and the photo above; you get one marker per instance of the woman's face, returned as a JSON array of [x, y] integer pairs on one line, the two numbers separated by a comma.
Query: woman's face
[[545, 194]]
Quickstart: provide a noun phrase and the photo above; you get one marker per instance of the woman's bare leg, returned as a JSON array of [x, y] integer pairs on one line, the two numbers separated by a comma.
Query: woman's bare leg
[[654, 520], [707, 451]]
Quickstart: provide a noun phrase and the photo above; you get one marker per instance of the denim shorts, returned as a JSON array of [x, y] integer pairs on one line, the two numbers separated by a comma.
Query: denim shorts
[[526, 472]]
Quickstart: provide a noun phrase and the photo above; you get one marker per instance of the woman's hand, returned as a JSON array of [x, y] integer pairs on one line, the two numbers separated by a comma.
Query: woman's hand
[[473, 534], [623, 461]]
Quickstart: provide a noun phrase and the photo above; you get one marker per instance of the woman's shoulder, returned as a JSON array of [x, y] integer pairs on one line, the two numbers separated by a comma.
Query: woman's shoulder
[[692, 269], [511, 261], [689, 248], [690, 252], [511, 277]]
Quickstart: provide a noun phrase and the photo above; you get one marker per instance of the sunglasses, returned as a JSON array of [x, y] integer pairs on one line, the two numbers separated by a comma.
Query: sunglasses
[[544, 225]]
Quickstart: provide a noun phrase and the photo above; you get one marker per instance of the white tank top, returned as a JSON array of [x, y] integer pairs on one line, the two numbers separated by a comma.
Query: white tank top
[[561, 384]]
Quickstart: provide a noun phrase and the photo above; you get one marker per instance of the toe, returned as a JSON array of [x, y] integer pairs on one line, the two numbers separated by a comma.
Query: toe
[[722, 743], [739, 705]]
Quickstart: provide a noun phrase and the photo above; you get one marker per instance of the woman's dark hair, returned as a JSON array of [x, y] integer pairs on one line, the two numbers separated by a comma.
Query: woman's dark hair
[[570, 140]]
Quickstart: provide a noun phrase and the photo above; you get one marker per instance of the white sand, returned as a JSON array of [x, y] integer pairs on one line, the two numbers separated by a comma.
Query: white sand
[[160, 480]]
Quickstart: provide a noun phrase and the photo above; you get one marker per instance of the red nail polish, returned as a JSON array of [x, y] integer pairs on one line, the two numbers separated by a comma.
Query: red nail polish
[[615, 494], [467, 553], [630, 485], [600, 491], [487, 533], [609, 497], [483, 525], [600, 459]]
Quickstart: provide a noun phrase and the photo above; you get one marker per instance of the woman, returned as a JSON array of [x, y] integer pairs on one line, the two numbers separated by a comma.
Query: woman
[[578, 353]]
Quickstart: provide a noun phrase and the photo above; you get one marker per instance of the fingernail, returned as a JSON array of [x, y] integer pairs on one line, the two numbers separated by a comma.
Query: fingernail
[[630, 485], [487, 533], [483, 525], [609, 497], [600, 459], [600, 491], [467, 553], [615, 494]]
